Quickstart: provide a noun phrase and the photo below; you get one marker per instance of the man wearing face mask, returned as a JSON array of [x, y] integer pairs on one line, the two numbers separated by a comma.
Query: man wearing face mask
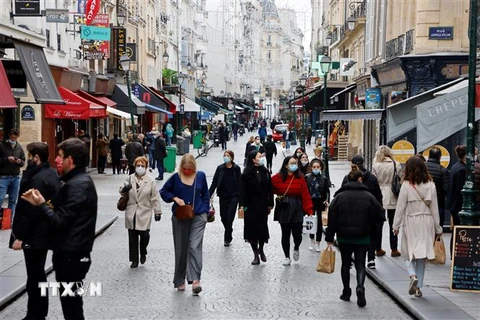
[[30, 229], [12, 158], [227, 183]]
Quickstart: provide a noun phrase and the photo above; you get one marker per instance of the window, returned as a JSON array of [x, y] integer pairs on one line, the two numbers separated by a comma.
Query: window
[[47, 35], [59, 42]]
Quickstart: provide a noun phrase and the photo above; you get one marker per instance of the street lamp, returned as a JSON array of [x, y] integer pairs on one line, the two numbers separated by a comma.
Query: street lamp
[[125, 63], [121, 16], [301, 88], [325, 68], [165, 58], [181, 78], [351, 23]]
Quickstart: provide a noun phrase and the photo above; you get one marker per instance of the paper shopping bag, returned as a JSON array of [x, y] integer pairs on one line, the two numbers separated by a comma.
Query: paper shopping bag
[[439, 248], [326, 263], [325, 217], [310, 224]]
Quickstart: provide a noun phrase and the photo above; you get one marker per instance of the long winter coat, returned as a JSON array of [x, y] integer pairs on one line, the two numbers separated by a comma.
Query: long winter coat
[[418, 218], [384, 170], [143, 202]]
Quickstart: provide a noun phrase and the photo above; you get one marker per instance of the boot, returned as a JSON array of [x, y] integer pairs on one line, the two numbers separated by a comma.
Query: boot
[[346, 294], [256, 259]]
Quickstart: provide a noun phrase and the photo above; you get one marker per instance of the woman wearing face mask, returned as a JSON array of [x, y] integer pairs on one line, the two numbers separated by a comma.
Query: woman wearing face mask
[[227, 183], [188, 186], [290, 184], [319, 188], [143, 201], [250, 141], [298, 153], [256, 201], [304, 164]]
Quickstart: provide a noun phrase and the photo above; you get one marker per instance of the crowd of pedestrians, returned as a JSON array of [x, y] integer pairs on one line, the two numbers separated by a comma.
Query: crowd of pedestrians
[[61, 216]]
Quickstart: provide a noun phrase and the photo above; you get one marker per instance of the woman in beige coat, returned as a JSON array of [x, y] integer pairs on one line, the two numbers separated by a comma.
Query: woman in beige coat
[[383, 168], [143, 201], [417, 214]]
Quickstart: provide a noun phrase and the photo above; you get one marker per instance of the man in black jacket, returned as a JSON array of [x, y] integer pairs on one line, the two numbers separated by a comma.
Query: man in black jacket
[[371, 182], [159, 155], [270, 150], [440, 178], [133, 149], [12, 158], [72, 217], [116, 150], [30, 229]]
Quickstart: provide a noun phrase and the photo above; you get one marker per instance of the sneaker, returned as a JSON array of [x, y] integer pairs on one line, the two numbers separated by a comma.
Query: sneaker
[[196, 288], [371, 264], [418, 293], [226, 244], [413, 286], [380, 252], [395, 253], [287, 262], [317, 247], [312, 244], [296, 255]]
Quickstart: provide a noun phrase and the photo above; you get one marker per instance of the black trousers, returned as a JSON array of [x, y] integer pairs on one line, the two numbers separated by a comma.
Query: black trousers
[[102, 161], [360, 252], [456, 222], [375, 240], [224, 144], [269, 161], [71, 268], [116, 164], [228, 208], [318, 207], [37, 306], [393, 238], [131, 169], [294, 229], [133, 243]]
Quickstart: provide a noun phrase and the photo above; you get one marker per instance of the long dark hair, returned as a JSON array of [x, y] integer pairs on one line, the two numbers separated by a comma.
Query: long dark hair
[[284, 171], [250, 165], [416, 171]]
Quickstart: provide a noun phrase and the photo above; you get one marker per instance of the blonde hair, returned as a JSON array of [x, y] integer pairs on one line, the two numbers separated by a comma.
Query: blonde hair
[[251, 139], [382, 153], [188, 159], [319, 149], [141, 159]]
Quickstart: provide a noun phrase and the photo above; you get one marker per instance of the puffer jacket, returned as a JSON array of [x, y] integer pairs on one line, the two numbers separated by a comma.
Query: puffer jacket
[[440, 178], [74, 214], [8, 168], [353, 212]]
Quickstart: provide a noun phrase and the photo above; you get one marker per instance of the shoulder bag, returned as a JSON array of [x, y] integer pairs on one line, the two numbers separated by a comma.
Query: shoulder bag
[[396, 183], [186, 212], [122, 202], [281, 202]]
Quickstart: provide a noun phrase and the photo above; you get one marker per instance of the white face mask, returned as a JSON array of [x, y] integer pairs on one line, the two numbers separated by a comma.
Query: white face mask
[[304, 162], [140, 170]]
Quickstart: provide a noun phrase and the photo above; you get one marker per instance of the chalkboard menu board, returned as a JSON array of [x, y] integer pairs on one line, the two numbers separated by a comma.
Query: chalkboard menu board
[[465, 271]]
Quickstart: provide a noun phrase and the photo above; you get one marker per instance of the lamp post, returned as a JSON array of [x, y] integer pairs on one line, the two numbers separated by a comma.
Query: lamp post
[[301, 88], [470, 214], [125, 63], [181, 78], [325, 68]]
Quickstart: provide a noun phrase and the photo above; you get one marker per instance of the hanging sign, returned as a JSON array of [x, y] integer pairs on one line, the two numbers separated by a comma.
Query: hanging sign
[[27, 7], [131, 51], [95, 33], [56, 15], [91, 11]]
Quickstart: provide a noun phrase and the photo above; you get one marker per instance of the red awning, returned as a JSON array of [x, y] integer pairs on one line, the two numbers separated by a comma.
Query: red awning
[[172, 107], [106, 101], [7, 100], [97, 108], [76, 107]]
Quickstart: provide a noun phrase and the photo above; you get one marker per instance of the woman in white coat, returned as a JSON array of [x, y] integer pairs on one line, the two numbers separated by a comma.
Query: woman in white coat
[[383, 168], [143, 202], [417, 214]]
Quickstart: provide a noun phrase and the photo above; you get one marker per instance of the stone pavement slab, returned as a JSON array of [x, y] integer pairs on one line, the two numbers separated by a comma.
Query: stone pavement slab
[[13, 275]]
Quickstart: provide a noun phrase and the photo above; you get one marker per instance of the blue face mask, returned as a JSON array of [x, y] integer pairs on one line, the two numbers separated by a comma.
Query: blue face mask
[[227, 159], [261, 161], [292, 167], [316, 171]]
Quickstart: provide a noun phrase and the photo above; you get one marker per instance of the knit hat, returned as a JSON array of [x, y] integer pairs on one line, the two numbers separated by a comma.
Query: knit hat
[[358, 159]]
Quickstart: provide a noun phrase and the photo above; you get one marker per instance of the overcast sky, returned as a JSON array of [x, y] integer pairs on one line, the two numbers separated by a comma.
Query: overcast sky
[[304, 16]]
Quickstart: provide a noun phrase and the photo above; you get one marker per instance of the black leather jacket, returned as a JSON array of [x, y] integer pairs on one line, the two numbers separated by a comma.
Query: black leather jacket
[[217, 181], [29, 225], [74, 214]]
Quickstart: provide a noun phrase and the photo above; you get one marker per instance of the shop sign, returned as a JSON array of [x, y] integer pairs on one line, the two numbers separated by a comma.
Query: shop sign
[[95, 33], [373, 98], [131, 51], [27, 7], [403, 150], [121, 45], [101, 20], [56, 15], [93, 55], [28, 113], [444, 160], [440, 33], [91, 11], [81, 6]]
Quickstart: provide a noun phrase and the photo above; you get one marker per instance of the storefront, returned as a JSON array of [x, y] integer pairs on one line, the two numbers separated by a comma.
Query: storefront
[[137, 107], [156, 107]]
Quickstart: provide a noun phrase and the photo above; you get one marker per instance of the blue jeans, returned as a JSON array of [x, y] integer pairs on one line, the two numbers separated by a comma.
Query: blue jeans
[[10, 185], [169, 141], [161, 168], [151, 160]]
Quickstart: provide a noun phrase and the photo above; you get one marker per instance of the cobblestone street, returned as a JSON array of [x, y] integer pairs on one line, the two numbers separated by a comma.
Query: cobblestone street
[[233, 288]]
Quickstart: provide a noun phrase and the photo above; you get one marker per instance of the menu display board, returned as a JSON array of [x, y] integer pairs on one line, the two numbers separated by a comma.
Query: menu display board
[[465, 270]]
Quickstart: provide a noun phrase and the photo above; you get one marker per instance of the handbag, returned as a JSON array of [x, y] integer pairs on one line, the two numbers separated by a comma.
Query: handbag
[[186, 212], [396, 183], [281, 203], [122, 202], [310, 224], [439, 249], [211, 213], [326, 262]]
